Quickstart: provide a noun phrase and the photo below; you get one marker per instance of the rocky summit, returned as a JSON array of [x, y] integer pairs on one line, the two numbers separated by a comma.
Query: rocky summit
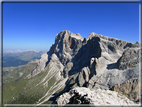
[[102, 64]]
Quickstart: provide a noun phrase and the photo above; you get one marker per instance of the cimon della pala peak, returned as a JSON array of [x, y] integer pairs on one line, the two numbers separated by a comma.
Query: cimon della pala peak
[[99, 70]]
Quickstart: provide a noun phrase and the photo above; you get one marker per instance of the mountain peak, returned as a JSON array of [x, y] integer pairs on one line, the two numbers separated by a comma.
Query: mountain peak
[[97, 62]]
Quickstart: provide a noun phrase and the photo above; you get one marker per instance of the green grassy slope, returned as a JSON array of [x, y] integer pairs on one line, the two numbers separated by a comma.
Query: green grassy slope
[[13, 89], [17, 73], [25, 91]]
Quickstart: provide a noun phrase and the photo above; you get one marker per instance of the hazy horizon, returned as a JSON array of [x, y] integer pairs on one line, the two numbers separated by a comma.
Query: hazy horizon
[[19, 51]]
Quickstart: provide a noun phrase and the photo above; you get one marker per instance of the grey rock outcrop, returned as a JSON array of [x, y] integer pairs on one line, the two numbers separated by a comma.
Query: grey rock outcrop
[[83, 76], [64, 99], [137, 43], [40, 66], [82, 95], [93, 65], [92, 82], [67, 68], [55, 64], [129, 58], [130, 89], [113, 77]]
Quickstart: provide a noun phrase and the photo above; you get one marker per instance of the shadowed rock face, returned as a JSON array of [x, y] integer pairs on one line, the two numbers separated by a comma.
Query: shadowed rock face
[[98, 62], [73, 48], [129, 58]]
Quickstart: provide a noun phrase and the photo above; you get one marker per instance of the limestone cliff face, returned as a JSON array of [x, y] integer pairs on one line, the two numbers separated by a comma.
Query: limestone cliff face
[[98, 62], [73, 48], [66, 46]]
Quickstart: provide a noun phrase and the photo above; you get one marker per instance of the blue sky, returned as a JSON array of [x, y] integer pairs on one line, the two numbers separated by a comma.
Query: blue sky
[[34, 26]]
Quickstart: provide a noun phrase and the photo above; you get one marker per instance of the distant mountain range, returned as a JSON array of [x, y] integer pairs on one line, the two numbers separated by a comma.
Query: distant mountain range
[[21, 58], [17, 51]]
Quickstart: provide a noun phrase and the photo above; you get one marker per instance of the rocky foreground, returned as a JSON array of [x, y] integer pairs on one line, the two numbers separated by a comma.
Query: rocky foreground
[[95, 65], [82, 95]]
